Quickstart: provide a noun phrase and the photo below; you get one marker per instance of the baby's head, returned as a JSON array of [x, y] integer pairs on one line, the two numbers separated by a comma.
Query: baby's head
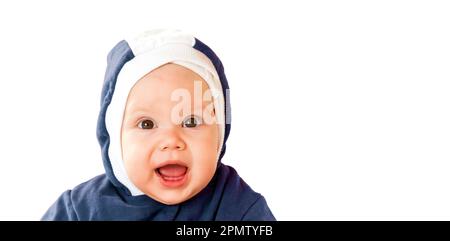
[[162, 125], [170, 136]]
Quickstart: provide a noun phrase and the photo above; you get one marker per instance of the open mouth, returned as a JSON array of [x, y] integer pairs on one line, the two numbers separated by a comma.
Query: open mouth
[[172, 175]]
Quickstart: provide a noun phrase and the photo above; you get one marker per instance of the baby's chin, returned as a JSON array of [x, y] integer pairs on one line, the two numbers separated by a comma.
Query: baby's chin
[[172, 197]]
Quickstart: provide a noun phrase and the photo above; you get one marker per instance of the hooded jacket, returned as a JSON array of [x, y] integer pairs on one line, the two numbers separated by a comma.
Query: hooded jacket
[[107, 197]]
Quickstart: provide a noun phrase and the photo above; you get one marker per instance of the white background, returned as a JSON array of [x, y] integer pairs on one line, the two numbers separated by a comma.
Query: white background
[[340, 108]]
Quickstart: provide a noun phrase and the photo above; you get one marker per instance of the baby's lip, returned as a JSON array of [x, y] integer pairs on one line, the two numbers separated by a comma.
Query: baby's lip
[[171, 162]]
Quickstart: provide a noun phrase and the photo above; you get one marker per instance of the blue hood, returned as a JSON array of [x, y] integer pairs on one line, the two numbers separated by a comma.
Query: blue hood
[[117, 58]]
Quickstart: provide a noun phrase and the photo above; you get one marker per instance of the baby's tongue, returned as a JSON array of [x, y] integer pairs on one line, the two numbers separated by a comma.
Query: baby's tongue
[[172, 170]]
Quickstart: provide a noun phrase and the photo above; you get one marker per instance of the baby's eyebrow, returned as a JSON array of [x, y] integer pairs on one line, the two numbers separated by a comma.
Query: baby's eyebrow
[[139, 112], [203, 104]]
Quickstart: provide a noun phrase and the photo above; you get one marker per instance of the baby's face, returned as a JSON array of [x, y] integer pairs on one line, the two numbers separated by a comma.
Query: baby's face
[[169, 154]]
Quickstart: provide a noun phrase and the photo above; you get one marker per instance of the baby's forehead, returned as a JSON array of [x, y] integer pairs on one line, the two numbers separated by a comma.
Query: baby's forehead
[[169, 84], [154, 90], [148, 102], [169, 78]]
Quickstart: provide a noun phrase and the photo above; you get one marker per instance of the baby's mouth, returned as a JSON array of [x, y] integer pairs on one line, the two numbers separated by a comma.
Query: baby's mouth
[[172, 171], [172, 175]]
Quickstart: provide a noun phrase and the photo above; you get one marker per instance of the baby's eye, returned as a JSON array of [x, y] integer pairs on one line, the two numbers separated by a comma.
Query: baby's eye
[[191, 121], [147, 124]]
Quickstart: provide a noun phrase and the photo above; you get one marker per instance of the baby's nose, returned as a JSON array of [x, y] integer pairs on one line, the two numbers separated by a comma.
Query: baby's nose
[[172, 142]]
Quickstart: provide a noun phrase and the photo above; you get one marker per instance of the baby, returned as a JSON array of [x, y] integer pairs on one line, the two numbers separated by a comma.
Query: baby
[[163, 124]]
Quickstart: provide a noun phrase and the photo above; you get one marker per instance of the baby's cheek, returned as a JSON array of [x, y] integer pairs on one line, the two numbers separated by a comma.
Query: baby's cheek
[[205, 158], [206, 142], [135, 145], [136, 154]]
